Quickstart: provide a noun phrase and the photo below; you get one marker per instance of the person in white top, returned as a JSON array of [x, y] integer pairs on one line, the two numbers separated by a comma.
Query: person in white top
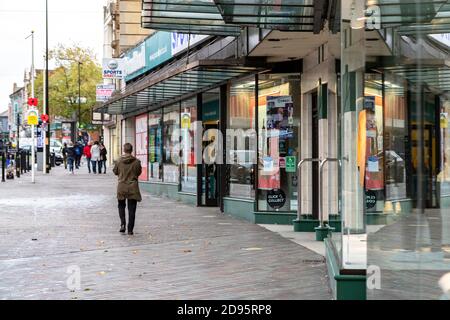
[[95, 158]]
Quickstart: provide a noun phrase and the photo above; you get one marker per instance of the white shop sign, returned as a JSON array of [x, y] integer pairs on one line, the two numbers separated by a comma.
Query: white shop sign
[[180, 41]]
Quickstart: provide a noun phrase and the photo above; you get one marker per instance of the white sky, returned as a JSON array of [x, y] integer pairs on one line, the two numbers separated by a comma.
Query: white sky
[[70, 22]]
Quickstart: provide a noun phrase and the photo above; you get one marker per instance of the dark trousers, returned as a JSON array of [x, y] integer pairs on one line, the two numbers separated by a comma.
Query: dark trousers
[[77, 161], [132, 204], [95, 165], [88, 160]]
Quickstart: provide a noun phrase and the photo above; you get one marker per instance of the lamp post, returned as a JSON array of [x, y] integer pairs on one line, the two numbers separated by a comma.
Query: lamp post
[[46, 102], [79, 99], [32, 96]]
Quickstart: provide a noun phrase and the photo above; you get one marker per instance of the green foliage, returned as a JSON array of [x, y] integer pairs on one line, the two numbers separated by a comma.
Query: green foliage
[[63, 82]]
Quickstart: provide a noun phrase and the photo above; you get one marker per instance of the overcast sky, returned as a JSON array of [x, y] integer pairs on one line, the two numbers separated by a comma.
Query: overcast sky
[[70, 22]]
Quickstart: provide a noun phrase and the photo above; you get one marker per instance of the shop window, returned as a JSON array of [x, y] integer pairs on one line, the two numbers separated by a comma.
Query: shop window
[[370, 148], [141, 144], [395, 127], [188, 166], [171, 136], [155, 145], [241, 139], [278, 144]]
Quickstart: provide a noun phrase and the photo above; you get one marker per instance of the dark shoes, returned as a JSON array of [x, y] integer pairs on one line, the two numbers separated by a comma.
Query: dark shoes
[[122, 230]]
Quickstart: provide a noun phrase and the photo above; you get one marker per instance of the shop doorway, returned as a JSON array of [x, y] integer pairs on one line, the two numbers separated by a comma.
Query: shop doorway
[[315, 153], [425, 144], [209, 177]]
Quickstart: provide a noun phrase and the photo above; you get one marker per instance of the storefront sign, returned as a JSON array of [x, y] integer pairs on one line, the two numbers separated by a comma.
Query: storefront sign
[[134, 60], [112, 68], [181, 41], [149, 54], [276, 198], [104, 92], [371, 199]]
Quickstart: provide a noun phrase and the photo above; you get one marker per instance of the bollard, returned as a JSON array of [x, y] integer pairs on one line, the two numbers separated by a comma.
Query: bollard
[[28, 161], [17, 164], [3, 165]]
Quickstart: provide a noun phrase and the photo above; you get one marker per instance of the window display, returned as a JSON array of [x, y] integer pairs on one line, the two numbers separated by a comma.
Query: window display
[[188, 165], [141, 144], [155, 145], [278, 143], [171, 135], [241, 135]]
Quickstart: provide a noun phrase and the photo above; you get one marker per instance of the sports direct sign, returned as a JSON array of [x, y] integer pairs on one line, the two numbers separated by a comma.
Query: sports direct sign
[[103, 92], [112, 68]]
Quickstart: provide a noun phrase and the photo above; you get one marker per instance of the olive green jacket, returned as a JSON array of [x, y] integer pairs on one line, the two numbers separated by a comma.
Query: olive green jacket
[[128, 169]]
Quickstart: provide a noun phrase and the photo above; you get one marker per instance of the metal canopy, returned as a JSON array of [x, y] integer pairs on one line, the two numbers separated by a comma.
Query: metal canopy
[[153, 90], [186, 16], [292, 15], [413, 15], [288, 14], [434, 76]]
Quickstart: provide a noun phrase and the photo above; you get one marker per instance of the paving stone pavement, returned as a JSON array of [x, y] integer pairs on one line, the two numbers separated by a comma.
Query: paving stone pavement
[[178, 251]]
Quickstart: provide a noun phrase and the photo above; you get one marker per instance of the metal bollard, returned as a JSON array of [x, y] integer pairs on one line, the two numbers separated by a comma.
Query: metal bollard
[[17, 164]]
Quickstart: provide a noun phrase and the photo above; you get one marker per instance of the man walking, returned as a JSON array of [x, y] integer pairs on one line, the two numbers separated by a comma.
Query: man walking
[[71, 156], [87, 154], [128, 169], [95, 158], [78, 152]]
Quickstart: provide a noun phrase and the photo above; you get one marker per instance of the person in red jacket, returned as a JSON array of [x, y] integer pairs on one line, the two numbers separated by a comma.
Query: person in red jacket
[[87, 154]]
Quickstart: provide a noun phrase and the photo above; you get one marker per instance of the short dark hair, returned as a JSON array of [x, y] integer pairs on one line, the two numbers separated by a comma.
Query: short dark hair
[[127, 148]]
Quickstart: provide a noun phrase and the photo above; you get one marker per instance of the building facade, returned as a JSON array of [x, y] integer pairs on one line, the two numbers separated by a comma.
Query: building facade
[[330, 116]]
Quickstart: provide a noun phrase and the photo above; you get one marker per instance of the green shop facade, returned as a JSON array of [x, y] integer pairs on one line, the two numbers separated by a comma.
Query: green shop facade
[[339, 116]]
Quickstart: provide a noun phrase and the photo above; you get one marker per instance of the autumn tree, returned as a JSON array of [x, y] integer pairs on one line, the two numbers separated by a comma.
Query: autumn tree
[[63, 82]]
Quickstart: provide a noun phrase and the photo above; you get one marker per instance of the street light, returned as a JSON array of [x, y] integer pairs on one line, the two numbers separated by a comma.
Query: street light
[[46, 102], [79, 95], [79, 99]]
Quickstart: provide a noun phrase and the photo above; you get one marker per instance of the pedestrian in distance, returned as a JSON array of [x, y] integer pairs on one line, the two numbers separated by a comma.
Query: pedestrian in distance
[[95, 158], [78, 153], [128, 169], [71, 157], [64, 154], [87, 154], [103, 153]]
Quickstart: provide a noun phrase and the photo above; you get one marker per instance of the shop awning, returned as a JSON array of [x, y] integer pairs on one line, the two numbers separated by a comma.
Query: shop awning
[[295, 15], [164, 87], [413, 15], [186, 16], [434, 76]]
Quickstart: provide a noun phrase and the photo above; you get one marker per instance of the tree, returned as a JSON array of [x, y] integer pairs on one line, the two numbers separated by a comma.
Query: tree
[[63, 82]]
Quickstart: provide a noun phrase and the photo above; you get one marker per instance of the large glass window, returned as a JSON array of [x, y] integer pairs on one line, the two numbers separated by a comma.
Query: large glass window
[[155, 145], [278, 144], [171, 136], [241, 139], [394, 148], [188, 166]]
